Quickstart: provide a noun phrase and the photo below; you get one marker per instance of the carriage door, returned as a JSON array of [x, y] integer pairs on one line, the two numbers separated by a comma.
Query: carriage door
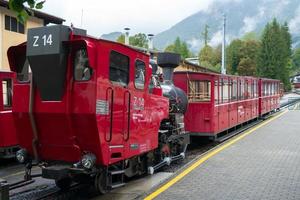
[[119, 97]]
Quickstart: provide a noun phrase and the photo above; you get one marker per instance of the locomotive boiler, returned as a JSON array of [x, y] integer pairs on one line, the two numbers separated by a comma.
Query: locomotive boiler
[[92, 110]]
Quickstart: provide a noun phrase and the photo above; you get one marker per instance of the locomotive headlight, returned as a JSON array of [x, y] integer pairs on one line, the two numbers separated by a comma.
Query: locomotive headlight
[[88, 161], [22, 156]]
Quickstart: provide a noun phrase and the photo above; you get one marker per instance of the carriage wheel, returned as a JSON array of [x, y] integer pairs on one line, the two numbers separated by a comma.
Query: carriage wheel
[[100, 183]]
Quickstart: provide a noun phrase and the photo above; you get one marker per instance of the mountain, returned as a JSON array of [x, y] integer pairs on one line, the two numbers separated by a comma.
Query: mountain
[[111, 36], [242, 16]]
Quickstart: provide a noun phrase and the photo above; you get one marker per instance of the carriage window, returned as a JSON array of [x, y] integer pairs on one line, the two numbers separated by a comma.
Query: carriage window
[[234, 91], [241, 89], [139, 80], [230, 90], [119, 68], [246, 90], [254, 89], [225, 91], [7, 93], [250, 89], [82, 70], [216, 93], [199, 91]]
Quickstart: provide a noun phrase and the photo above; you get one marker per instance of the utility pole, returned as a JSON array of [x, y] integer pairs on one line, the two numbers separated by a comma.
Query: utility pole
[[81, 19], [223, 69]]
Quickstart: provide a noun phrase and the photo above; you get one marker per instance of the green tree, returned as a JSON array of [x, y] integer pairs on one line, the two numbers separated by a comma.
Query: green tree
[[21, 10], [185, 53], [233, 55], [205, 35], [274, 56], [217, 56], [179, 47], [138, 40], [206, 55], [296, 60], [170, 48], [249, 56], [121, 39], [250, 36], [247, 67]]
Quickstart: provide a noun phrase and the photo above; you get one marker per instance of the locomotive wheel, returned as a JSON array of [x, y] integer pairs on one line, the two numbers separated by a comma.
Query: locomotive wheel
[[64, 183], [100, 183]]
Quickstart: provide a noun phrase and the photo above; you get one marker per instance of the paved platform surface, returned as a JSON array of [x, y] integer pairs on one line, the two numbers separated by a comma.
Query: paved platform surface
[[262, 165]]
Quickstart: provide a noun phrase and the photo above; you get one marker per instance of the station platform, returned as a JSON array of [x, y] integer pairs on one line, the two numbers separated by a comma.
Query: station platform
[[262, 163]]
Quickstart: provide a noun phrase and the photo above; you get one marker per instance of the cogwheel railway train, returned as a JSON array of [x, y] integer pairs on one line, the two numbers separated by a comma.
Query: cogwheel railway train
[[97, 111]]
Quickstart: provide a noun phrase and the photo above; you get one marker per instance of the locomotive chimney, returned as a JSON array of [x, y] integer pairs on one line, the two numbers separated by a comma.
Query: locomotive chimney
[[127, 35], [168, 62], [150, 41]]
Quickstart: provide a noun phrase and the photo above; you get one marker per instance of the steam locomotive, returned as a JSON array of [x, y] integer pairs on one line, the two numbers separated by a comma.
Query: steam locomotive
[[94, 111]]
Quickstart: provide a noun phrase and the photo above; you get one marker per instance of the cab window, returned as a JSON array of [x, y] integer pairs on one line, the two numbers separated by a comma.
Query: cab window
[[82, 69], [7, 93], [139, 80], [119, 68]]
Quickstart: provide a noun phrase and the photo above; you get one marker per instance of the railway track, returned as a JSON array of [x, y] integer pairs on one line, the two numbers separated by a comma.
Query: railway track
[[198, 147]]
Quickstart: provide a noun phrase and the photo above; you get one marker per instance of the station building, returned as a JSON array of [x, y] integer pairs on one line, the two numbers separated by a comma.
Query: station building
[[13, 32]]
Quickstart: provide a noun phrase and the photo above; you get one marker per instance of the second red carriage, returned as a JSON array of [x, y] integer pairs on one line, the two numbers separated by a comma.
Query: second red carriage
[[218, 102]]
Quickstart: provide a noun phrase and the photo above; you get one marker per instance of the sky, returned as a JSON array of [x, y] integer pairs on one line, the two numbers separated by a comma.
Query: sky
[[105, 16]]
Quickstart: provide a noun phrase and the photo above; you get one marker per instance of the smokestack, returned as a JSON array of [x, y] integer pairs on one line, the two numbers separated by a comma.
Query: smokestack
[[127, 35], [168, 62], [150, 41]]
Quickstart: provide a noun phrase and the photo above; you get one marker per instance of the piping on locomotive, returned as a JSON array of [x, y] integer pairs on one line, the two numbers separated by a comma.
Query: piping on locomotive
[[94, 111]]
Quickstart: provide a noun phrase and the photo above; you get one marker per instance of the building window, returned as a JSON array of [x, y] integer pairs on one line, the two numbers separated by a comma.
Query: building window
[[119, 68], [7, 93], [139, 80], [12, 24], [199, 91]]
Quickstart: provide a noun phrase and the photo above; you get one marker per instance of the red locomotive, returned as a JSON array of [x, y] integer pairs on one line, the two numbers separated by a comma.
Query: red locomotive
[[94, 110], [218, 102], [8, 141]]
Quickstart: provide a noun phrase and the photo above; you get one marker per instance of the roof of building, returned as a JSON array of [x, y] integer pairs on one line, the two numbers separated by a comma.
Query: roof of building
[[45, 16], [201, 68]]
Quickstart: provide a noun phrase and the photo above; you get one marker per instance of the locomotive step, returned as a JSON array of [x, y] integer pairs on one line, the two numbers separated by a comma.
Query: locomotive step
[[116, 185], [116, 172]]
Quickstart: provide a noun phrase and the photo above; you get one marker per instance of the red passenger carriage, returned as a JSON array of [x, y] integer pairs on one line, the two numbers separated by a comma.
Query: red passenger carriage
[[8, 138], [218, 102]]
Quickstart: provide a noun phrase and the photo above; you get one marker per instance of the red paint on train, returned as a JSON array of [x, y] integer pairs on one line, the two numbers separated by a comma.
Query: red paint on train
[[8, 141]]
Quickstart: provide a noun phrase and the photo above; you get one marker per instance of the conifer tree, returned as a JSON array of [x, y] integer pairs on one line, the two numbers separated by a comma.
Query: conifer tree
[[275, 53]]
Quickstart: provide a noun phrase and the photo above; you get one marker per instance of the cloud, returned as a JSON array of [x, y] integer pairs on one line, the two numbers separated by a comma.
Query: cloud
[[114, 15], [250, 23], [294, 23], [194, 44], [216, 39]]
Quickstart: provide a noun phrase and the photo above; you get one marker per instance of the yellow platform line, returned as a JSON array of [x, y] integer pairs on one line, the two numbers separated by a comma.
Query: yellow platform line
[[206, 157]]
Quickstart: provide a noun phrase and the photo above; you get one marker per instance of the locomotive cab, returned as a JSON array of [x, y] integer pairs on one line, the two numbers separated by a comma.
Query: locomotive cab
[[87, 110]]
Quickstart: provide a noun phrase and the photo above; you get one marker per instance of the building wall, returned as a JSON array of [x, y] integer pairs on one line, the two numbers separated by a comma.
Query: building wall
[[9, 38]]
